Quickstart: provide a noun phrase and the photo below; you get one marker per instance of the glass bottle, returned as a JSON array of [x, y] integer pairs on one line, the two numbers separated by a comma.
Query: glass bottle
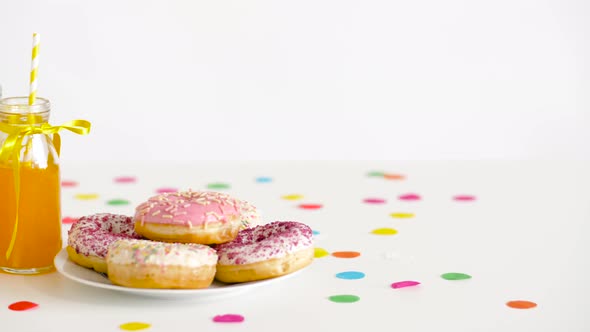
[[30, 193]]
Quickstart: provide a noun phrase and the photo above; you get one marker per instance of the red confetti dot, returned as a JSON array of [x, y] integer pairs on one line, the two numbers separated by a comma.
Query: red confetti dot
[[410, 197], [464, 198], [374, 200], [166, 190], [68, 220], [22, 306], [125, 179], [310, 206], [228, 318], [346, 254], [69, 184]]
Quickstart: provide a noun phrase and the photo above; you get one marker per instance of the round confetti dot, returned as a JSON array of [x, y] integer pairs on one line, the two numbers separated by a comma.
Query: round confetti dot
[[310, 206], [22, 306], [315, 232], [263, 179], [125, 179], [134, 326], [320, 252], [464, 198], [455, 276], [403, 284], [218, 185], [344, 298], [68, 220], [409, 197], [402, 215], [374, 200], [69, 184], [228, 318], [375, 174], [384, 231], [292, 197], [86, 197], [393, 176], [520, 304], [164, 190], [350, 275], [346, 254], [118, 202]]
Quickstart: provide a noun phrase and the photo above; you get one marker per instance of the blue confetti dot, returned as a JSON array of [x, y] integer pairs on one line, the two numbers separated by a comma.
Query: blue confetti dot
[[315, 232], [263, 179], [350, 275]]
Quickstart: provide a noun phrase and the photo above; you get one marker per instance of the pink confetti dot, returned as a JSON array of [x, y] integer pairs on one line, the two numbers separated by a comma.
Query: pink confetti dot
[[69, 220], [228, 318], [410, 197], [164, 190], [310, 206], [69, 184], [125, 179], [464, 198], [374, 200], [22, 306], [402, 284]]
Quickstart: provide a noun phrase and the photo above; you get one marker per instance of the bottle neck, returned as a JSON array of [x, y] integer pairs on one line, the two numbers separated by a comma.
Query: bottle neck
[[17, 111]]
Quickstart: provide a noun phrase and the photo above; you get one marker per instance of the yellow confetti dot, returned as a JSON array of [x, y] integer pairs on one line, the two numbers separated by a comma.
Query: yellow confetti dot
[[86, 197], [402, 215], [384, 231], [320, 252], [134, 326], [292, 197]]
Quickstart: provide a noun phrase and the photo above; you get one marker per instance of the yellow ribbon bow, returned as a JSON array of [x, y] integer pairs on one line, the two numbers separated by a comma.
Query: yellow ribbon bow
[[10, 150]]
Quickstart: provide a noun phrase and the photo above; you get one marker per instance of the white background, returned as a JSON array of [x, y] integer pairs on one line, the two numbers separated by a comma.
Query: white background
[[309, 79]]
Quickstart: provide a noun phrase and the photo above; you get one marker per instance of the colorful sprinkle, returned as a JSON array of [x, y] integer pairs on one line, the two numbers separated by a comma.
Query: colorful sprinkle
[[403, 284], [464, 198], [384, 231], [164, 190], [292, 197], [519, 304], [228, 318], [263, 179], [118, 202], [86, 197], [455, 276], [374, 200], [68, 220], [22, 306], [218, 185], [375, 174], [350, 275], [320, 252], [69, 184], [410, 197], [393, 176], [344, 298], [315, 232], [125, 179], [346, 254], [402, 215], [134, 326], [310, 206]]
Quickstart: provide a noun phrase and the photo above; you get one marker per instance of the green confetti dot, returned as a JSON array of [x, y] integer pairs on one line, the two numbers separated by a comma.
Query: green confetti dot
[[218, 185], [375, 174], [455, 276], [344, 298], [118, 202]]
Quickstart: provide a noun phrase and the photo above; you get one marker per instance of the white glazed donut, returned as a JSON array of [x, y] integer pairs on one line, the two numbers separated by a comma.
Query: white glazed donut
[[264, 252], [150, 264]]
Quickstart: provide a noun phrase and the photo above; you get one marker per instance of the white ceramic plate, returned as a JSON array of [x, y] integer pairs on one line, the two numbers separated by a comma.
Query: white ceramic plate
[[89, 277]]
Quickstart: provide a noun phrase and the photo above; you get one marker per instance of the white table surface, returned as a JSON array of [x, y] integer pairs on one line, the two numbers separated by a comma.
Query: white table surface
[[523, 238]]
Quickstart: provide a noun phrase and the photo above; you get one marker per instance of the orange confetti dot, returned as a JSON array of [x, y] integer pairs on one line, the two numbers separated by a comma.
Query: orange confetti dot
[[346, 254], [519, 304], [393, 176]]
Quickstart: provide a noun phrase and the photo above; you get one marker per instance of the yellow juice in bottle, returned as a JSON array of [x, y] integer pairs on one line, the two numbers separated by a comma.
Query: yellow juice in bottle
[[38, 236]]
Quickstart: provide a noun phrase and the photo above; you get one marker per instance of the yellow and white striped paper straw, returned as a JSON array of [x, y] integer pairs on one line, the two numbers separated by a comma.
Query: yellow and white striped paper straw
[[34, 68]]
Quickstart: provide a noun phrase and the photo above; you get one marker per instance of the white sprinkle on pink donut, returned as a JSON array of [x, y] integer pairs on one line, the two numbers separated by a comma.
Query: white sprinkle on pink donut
[[264, 242]]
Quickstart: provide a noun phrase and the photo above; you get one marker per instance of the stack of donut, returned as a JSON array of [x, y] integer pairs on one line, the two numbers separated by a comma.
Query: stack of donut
[[185, 240]]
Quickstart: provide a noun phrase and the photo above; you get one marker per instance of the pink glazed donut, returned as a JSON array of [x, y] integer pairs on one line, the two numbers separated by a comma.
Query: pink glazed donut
[[90, 237], [193, 217], [264, 252]]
